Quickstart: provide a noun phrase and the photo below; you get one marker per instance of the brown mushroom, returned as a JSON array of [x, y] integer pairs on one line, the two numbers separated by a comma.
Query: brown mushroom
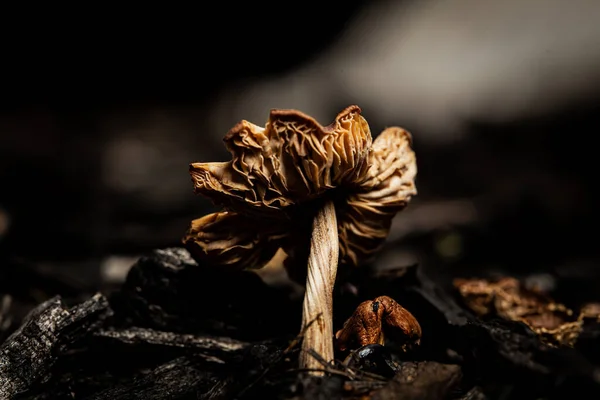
[[375, 320], [349, 187]]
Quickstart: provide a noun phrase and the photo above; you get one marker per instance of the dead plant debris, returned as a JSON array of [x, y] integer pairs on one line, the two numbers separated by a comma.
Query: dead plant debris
[[506, 297]]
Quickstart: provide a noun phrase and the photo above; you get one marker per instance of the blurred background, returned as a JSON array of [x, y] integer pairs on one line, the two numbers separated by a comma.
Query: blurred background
[[101, 116]]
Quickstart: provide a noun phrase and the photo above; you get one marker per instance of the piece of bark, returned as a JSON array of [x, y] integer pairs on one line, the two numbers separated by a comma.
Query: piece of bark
[[248, 375], [421, 380], [109, 366], [181, 378], [26, 357], [212, 345], [168, 291]]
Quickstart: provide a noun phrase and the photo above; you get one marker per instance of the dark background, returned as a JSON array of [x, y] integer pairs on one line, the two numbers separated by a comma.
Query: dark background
[[103, 111]]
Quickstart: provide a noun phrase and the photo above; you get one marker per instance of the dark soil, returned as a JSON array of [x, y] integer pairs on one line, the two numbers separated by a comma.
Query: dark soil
[[177, 330]]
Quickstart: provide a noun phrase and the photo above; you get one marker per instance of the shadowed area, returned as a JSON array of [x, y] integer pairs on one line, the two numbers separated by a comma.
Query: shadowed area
[[101, 115]]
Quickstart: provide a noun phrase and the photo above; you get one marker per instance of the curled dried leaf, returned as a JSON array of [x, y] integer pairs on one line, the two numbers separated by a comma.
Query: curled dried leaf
[[378, 320], [210, 240]]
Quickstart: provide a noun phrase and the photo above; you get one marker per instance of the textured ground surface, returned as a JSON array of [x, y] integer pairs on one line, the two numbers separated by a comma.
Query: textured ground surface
[[175, 330]]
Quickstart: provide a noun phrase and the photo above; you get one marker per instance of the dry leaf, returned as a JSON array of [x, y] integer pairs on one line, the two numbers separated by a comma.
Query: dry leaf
[[506, 297]]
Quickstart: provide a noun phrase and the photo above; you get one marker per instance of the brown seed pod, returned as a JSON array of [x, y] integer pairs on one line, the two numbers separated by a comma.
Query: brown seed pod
[[375, 320]]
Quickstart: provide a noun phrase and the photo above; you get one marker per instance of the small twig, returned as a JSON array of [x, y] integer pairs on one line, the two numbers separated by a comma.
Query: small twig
[[328, 370], [343, 369], [353, 371], [347, 370], [366, 374], [337, 369], [319, 358]]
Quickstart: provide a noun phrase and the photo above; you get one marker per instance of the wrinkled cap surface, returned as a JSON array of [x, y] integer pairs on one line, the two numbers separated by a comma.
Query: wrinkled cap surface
[[287, 165], [374, 320]]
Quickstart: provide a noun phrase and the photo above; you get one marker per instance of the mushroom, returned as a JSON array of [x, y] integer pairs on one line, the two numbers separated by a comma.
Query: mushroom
[[375, 320], [292, 171]]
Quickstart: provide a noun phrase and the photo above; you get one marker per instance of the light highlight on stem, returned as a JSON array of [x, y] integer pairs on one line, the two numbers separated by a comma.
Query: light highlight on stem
[[318, 299]]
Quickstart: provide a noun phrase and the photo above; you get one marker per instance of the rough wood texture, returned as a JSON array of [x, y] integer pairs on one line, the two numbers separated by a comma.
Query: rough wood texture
[[209, 344], [153, 346], [318, 301], [178, 378], [28, 354], [421, 380]]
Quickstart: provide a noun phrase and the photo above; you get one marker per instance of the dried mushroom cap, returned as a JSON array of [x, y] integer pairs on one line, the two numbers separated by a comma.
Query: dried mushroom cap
[[385, 190], [250, 246], [291, 161], [375, 320]]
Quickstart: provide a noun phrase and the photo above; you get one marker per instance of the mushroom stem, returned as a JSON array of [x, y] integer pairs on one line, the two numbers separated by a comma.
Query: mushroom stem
[[318, 298]]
